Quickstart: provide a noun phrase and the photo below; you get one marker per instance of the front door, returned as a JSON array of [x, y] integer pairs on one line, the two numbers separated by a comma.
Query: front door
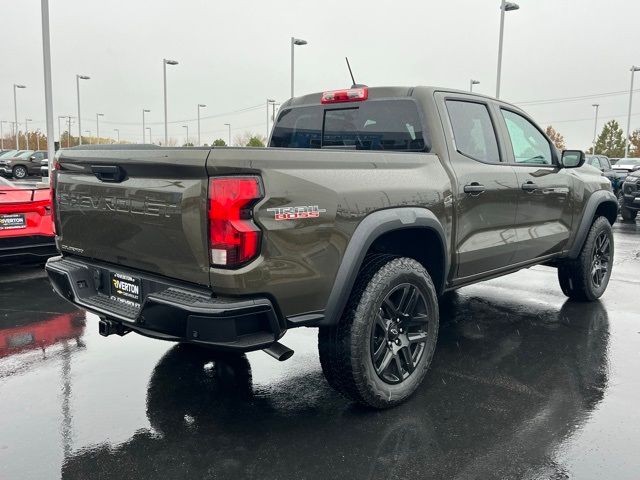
[[487, 189], [544, 214]]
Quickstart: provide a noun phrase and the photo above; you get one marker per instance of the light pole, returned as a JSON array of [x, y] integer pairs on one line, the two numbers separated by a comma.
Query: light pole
[[117, 130], [150, 139], [26, 130], [15, 110], [187, 141], [294, 42], [473, 82], [69, 132], [634, 69], [98, 115], [78, 78], [200, 105], [144, 110], [595, 127], [269, 102], [48, 93], [166, 62], [229, 125], [504, 7]]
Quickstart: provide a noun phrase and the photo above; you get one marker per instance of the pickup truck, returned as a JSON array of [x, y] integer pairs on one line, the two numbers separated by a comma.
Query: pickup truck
[[367, 206]]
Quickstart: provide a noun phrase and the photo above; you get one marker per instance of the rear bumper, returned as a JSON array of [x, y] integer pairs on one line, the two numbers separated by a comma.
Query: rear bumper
[[169, 310], [631, 196], [30, 247]]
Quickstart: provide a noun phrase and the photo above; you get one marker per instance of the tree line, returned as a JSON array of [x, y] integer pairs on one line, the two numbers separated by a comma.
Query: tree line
[[610, 141]]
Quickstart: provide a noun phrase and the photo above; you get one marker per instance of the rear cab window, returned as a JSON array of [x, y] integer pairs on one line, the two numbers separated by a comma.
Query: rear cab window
[[388, 125]]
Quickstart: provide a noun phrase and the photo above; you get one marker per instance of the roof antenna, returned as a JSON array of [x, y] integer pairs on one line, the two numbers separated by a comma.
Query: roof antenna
[[354, 85]]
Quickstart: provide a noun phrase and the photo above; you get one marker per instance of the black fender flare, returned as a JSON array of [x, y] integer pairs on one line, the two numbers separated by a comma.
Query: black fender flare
[[595, 200], [367, 231]]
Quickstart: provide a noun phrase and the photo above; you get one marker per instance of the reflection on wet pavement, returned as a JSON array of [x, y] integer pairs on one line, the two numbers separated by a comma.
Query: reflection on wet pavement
[[523, 385]]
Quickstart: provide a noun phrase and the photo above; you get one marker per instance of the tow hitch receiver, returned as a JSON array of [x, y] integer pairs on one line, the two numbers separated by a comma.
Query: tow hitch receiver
[[109, 327]]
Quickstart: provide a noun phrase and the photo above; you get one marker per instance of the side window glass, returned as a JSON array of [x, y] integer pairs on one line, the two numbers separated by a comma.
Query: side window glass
[[605, 164], [529, 144], [473, 131]]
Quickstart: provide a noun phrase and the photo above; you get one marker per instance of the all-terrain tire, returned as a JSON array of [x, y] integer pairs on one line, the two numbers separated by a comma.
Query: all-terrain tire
[[345, 349], [576, 277]]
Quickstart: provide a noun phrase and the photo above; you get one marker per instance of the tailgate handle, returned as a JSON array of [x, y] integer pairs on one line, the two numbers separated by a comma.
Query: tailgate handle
[[109, 173]]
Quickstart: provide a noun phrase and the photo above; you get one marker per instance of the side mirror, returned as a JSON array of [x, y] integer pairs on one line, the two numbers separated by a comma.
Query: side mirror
[[32, 157], [572, 158]]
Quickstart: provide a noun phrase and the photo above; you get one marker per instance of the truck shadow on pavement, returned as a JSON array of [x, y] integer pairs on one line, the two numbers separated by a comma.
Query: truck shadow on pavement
[[509, 383]]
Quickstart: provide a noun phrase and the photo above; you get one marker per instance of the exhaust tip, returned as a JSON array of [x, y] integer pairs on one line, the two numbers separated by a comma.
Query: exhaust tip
[[279, 351]]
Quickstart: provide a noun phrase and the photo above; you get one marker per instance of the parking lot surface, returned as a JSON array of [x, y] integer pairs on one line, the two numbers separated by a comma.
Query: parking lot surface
[[524, 384]]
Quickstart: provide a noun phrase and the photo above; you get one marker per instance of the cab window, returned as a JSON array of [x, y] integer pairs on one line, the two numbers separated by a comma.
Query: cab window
[[473, 130], [529, 144]]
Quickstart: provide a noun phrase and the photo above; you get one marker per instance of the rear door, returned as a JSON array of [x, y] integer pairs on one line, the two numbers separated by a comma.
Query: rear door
[[486, 196], [544, 214], [140, 208]]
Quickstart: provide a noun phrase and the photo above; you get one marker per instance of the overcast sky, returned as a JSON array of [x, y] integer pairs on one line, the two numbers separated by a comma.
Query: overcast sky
[[234, 54]]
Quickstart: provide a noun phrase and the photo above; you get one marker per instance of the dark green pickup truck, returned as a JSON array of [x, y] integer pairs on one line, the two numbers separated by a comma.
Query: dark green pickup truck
[[367, 206]]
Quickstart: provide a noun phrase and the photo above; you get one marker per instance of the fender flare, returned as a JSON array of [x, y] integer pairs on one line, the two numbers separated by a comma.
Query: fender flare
[[367, 231], [595, 200]]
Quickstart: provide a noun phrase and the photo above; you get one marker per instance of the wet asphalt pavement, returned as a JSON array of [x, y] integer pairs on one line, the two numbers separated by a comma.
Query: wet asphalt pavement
[[524, 384]]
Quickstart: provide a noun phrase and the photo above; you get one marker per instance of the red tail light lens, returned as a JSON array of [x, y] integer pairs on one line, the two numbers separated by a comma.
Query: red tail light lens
[[233, 237], [349, 95]]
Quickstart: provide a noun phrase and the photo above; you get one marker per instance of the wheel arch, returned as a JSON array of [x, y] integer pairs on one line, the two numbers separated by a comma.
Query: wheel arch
[[386, 231], [601, 203]]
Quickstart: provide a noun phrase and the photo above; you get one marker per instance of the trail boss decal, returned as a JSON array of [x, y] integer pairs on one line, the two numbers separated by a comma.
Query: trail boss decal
[[296, 213]]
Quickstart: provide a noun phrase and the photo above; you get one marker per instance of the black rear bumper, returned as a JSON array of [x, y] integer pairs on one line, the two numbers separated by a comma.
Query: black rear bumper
[[169, 310], [31, 247]]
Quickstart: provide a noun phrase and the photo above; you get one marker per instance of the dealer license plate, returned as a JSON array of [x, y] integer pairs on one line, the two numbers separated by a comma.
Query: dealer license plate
[[126, 289]]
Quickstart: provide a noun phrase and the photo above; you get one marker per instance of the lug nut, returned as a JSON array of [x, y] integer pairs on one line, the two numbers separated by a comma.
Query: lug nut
[[398, 342]]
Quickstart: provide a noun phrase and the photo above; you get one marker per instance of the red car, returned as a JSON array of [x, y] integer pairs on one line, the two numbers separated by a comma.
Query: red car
[[26, 228]]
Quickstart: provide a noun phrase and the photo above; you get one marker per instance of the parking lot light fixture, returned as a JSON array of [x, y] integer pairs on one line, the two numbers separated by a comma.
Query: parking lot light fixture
[[15, 110], [473, 82], [504, 7], [229, 125], [595, 127], [144, 131], [117, 130], [98, 115], [26, 130], [200, 105], [166, 62], [633, 70], [78, 78], [294, 42]]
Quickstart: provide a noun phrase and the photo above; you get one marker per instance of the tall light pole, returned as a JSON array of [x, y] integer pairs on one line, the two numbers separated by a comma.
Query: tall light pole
[[269, 102], [294, 42], [473, 82], [60, 130], [98, 115], [200, 105], [504, 7], [595, 127], [15, 110], [634, 69], [187, 127], [166, 62], [78, 78], [117, 130], [48, 93], [150, 139], [26, 130], [144, 131], [229, 125]]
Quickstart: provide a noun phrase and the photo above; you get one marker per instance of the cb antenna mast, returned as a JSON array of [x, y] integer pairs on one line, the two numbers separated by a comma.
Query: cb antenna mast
[[353, 80]]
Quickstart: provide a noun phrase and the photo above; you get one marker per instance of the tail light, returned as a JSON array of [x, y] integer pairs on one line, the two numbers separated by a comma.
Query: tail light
[[52, 191], [233, 237], [348, 95]]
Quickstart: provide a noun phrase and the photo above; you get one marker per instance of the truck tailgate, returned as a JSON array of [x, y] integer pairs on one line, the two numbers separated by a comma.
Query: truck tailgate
[[143, 208]]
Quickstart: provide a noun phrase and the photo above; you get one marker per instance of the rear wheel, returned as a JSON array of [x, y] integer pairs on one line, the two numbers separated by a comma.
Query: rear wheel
[[627, 214], [380, 350], [19, 172], [586, 278]]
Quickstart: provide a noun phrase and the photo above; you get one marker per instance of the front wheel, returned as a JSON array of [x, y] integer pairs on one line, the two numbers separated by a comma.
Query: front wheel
[[586, 278], [19, 172], [380, 350]]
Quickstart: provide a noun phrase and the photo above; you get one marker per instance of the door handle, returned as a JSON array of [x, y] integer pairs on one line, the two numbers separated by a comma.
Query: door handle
[[109, 173], [474, 188], [529, 187]]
